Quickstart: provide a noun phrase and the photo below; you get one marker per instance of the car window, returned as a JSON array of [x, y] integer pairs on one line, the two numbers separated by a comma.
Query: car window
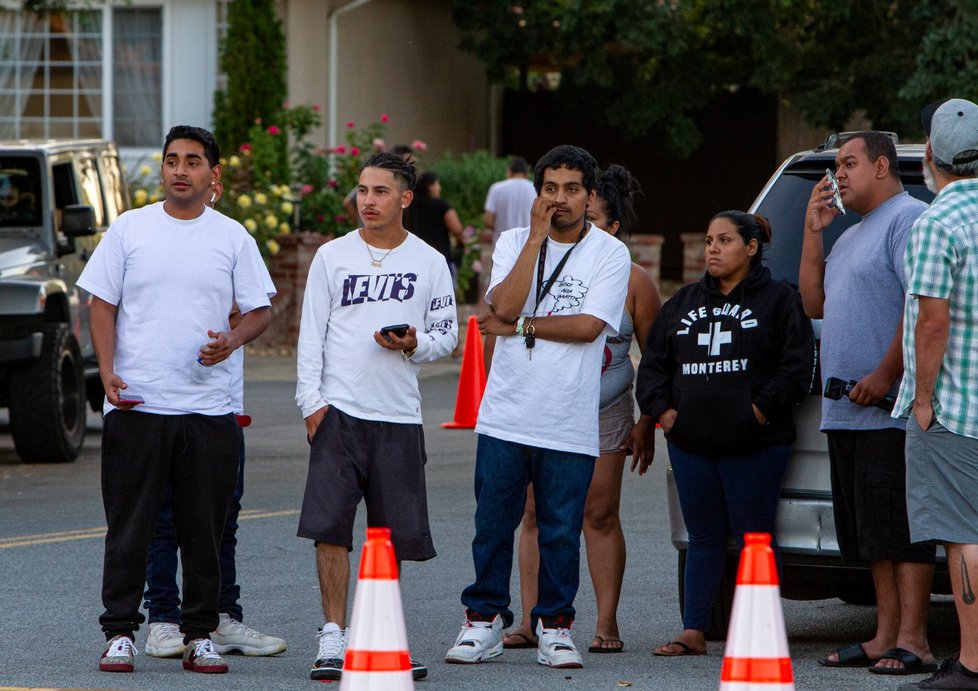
[[784, 206], [91, 189], [20, 178]]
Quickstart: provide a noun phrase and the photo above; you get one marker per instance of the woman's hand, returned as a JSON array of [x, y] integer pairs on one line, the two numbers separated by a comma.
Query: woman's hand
[[668, 419], [761, 420], [641, 441]]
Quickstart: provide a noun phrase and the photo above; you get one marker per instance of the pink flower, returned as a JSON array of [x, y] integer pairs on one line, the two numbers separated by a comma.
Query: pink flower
[[245, 148], [378, 144], [273, 130], [340, 218], [383, 117], [320, 218], [419, 145], [350, 124], [333, 182], [316, 107], [477, 267], [354, 150], [341, 149], [468, 231], [307, 189], [286, 104], [257, 121]]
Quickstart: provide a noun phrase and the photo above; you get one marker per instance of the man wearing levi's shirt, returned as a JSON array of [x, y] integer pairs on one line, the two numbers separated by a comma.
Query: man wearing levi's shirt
[[173, 254], [557, 290]]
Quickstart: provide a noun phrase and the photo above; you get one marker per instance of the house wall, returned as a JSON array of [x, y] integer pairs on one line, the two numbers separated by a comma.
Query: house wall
[[397, 57]]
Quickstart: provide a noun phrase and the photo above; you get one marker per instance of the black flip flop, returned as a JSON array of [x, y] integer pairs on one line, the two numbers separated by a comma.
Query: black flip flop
[[851, 656], [600, 647], [912, 664], [686, 650], [527, 642]]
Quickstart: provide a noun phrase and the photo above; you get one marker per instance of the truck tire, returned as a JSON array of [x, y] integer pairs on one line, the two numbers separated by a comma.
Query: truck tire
[[719, 620], [47, 401]]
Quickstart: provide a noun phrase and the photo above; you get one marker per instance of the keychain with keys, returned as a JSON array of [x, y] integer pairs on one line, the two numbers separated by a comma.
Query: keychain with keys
[[530, 339]]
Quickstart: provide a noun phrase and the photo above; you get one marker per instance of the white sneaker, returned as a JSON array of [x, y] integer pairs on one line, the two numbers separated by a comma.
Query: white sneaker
[[556, 648], [165, 640], [232, 636], [332, 650], [477, 642]]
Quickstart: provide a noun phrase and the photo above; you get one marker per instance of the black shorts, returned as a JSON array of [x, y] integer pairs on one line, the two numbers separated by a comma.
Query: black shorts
[[869, 493], [380, 462]]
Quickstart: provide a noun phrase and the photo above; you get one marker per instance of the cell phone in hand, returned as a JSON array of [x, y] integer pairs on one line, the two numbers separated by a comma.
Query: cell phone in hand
[[399, 330], [833, 186], [126, 397]]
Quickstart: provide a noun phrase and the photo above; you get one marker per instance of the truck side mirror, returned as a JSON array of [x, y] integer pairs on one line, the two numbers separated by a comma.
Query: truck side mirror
[[78, 220]]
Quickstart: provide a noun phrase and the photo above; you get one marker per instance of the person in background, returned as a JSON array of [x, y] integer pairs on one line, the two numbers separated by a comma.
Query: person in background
[[433, 219], [509, 201], [613, 212], [727, 360]]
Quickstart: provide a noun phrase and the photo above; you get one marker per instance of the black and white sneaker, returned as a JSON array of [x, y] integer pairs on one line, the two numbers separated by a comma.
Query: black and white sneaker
[[418, 670], [332, 649]]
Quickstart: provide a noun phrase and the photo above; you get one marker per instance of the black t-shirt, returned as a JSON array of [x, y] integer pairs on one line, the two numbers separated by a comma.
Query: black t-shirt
[[427, 221]]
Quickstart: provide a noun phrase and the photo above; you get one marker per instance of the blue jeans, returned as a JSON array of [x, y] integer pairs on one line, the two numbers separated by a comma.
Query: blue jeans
[[723, 496], [162, 597], [560, 483]]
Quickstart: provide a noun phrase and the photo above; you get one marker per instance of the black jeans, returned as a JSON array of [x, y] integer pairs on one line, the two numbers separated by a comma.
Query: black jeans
[[142, 453]]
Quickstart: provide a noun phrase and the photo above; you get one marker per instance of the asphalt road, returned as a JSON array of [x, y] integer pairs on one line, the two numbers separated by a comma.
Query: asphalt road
[[51, 528]]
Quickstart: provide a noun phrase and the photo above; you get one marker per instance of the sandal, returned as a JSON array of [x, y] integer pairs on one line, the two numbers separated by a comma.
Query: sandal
[[616, 647], [912, 664], [525, 640], [686, 650], [851, 656]]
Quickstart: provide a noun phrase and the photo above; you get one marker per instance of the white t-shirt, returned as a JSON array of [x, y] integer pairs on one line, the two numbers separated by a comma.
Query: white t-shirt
[[172, 281], [551, 400], [511, 200], [237, 364], [346, 301]]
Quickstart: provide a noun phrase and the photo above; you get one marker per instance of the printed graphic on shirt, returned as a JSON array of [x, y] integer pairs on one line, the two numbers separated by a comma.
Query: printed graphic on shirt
[[444, 326], [568, 292], [716, 330], [358, 289], [442, 302]]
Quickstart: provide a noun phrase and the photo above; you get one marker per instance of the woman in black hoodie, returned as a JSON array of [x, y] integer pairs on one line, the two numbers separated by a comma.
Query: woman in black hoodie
[[727, 360]]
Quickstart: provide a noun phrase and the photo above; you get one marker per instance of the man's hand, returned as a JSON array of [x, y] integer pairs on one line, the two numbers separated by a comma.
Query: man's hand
[[668, 419], [541, 214], [112, 384], [641, 441], [391, 341], [870, 389], [758, 415], [313, 422], [218, 349], [491, 325], [923, 413], [820, 212]]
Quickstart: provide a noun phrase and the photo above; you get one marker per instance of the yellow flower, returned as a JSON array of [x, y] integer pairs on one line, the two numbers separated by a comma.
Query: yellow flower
[[272, 246], [234, 162], [244, 201], [283, 190], [271, 222], [157, 156], [287, 207], [284, 229], [141, 197], [145, 171], [261, 199], [153, 198], [250, 225]]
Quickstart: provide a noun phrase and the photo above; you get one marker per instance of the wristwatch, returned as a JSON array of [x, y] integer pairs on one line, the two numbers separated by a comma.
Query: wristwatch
[[408, 354]]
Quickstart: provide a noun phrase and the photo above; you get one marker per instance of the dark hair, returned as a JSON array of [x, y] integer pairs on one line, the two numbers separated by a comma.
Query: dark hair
[[749, 227], [426, 180], [878, 144], [404, 171], [617, 189], [403, 150], [414, 214], [518, 165], [570, 157], [211, 150]]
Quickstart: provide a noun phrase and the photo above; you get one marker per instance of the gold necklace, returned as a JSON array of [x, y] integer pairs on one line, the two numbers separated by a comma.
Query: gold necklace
[[373, 260]]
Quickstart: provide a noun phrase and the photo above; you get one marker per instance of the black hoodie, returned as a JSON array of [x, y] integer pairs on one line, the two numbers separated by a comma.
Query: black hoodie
[[710, 356]]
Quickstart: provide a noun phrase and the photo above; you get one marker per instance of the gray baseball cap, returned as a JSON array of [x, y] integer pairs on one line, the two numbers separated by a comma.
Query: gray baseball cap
[[954, 132]]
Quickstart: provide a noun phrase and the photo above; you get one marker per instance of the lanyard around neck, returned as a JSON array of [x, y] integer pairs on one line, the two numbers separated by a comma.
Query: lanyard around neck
[[542, 289]]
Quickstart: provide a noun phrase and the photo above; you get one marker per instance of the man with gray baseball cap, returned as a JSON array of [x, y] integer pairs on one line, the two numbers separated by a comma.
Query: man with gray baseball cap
[[939, 392]]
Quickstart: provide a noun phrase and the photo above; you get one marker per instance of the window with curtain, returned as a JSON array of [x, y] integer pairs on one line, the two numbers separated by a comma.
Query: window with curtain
[[52, 69]]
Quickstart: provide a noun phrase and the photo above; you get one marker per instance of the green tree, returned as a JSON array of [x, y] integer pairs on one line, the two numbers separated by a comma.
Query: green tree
[[253, 58]]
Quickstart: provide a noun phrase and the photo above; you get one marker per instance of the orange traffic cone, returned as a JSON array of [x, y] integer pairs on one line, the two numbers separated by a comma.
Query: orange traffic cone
[[377, 657], [756, 657], [471, 380]]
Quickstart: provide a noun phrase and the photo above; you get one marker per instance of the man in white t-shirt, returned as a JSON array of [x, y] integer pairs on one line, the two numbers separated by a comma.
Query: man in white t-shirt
[[163, 280], [358, 388], [509, 201], [557, 290]]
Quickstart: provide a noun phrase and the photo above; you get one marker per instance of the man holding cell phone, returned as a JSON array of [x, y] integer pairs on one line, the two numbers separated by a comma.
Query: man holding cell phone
[[379, 303], [858, 292]]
